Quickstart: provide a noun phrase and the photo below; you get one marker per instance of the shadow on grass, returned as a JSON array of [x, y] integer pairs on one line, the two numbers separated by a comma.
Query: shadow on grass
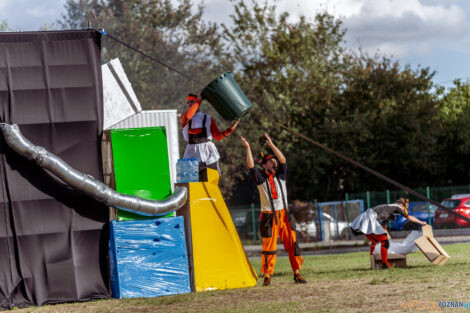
[[451, 265], [359, 270], [343, 270]]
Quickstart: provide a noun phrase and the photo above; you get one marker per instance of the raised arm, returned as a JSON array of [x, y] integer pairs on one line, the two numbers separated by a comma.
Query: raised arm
[[217, 134], [277, 152], [249, 156], [415, 220]]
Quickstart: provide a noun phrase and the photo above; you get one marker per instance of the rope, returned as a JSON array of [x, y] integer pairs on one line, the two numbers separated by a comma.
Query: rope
[[101, 31], [369, 170]]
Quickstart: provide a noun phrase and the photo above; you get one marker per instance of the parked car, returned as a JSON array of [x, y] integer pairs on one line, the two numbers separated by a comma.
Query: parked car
[[460, 196], [458, 203], [418, 210], [335, 232]]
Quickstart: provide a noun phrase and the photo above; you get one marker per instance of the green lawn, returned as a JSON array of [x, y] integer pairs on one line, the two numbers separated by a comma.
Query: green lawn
[[336, 283]]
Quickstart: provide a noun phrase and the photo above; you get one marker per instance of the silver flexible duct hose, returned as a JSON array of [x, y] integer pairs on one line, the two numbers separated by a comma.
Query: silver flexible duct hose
[[87, 184]]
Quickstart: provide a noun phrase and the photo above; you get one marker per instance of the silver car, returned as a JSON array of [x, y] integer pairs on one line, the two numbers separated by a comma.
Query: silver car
[[335, 230]]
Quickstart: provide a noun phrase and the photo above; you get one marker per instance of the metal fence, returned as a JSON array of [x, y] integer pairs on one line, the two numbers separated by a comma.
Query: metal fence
[[438, 194], [330, 220]]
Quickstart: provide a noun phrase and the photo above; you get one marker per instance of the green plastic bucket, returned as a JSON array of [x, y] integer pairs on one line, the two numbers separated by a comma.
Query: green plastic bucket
[[227, 98]]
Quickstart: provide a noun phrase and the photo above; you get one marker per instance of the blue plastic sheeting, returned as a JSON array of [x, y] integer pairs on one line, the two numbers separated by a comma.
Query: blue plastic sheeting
[[148, 258], [187, 171]]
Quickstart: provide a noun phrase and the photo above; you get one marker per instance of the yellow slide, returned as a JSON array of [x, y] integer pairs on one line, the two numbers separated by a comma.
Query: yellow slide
[[219, 259]]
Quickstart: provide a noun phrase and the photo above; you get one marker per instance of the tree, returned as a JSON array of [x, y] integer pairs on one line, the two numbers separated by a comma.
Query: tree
[[169, 32], [454, 139], [395, 128], [291, 72], [4, 26], [386, 116], [78, 13], [368, 108]]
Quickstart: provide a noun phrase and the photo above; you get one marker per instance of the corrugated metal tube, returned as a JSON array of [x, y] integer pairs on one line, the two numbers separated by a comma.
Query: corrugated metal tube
[[87, 184]]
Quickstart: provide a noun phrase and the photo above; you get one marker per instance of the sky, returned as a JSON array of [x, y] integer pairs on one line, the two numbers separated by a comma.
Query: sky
[[426, 33]]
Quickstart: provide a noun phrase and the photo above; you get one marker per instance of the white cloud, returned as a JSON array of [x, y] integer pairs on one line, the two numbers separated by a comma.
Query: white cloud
[[30, 14], [339, 8], [400, 27], [40, 12], [217, 11], [394, 27], [397, 27]]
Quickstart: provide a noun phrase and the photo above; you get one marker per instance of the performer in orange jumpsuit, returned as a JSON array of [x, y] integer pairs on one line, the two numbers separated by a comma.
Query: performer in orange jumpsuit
[[198, 130], [275, 218]]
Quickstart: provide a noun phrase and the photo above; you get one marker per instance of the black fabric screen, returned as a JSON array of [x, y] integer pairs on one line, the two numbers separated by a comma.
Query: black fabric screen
[[53, 240]]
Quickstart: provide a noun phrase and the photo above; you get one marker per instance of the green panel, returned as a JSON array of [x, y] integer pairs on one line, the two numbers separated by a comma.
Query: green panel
[[141, 165]]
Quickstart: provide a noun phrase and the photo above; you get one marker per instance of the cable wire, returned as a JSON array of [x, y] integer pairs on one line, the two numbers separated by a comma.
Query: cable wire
[[101, 31], [371, 171]]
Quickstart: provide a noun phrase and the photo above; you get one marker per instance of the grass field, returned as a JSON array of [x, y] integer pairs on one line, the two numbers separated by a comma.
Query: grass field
[[336, 283]]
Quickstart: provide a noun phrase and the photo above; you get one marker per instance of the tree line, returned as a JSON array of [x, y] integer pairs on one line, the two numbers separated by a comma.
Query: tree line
[[388, 116]]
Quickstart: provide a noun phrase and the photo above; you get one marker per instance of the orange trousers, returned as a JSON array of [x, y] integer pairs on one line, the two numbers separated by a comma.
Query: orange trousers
[[281, 229]]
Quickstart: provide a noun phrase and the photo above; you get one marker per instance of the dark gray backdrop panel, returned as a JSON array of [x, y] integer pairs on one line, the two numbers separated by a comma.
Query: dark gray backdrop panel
[[53, 240]]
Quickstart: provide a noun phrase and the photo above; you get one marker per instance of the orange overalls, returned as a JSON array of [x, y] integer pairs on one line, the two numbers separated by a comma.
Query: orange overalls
[[288, 238], [274, 225]]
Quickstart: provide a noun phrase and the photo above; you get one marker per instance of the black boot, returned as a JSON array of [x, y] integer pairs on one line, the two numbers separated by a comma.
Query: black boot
[[267, 281], [386, 266], [298, 279]]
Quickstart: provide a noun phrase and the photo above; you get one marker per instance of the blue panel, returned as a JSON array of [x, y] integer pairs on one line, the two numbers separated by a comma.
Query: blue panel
[[148, 258]]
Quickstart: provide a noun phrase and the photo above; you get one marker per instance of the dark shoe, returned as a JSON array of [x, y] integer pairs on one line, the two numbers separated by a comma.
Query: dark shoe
[[267, 281], [298, 279], [386, 266]]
